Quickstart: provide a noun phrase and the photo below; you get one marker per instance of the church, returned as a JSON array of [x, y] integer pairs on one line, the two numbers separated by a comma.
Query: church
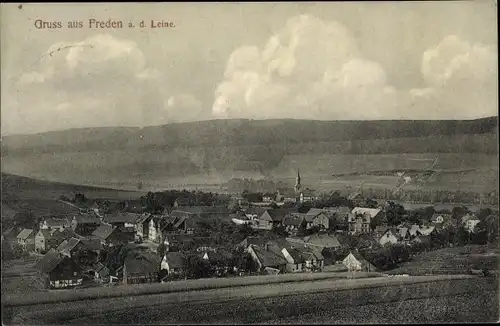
[[298, 194]]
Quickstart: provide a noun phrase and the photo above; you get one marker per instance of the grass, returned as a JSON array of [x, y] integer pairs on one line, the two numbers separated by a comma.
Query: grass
[[322, 300], [458, 260], [177, 286], [112, 169]]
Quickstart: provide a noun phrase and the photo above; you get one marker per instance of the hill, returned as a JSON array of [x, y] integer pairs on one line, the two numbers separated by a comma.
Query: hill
[[244, 133], [458, 260], [23, 188], [209, 153]]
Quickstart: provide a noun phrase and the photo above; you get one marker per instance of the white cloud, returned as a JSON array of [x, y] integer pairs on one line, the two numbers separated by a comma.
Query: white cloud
[[309, 69], [461, 80], [312, 69], [99, 81]]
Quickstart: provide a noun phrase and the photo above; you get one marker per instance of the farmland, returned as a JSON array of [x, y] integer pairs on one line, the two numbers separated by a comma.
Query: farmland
[[207, 154], [452, 261], [328, 300], [113, 170]]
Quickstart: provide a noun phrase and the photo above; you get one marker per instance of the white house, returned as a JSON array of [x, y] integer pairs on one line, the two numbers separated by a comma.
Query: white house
[[355, 262], [388, 237]]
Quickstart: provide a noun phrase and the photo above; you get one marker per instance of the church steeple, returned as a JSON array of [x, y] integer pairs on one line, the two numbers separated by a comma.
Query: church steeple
[[298, 186]]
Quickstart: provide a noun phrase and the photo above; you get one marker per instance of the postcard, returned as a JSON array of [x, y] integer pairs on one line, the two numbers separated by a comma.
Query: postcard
[[249, 163]]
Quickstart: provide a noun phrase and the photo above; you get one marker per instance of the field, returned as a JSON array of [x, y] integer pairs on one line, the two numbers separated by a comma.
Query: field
[[41, 197], [457, 260], [471, 299], [154, 168]]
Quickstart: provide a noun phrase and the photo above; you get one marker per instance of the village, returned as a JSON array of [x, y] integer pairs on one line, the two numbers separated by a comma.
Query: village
[[290, 231]]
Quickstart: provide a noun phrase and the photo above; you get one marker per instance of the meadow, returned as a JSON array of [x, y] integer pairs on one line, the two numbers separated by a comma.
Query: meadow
[[154, 169]]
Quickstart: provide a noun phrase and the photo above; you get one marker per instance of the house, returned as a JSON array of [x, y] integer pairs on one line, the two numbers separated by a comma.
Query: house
[[438, 218], [142, 226], [101, 274], [141, 267], [84, 224], [355, 262], [341, 213], [307, 195], [281, 247], [360, 218], [320, 220], [220, 260], [10, 234], [123, 219], [416, 230], [264, 258], [181, 202], [295, 223], [178, 242], [268, 219], [469, 222], [50, 223], [268, 197], [255, 241], [154, 234], [26, 238], [175, 263], [253, 213], [319, 241], [82, 252], [425, 239], [58, 271], [287, 196], [356, 198], [389, 237], [314, 260], [45, 240], [110, 235], [184, 221]]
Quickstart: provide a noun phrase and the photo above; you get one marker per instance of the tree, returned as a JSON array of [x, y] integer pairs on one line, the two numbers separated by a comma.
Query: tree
[[161, 250], [462, 237], [371, 203], [480, 234], [139, 185], [198, 267]]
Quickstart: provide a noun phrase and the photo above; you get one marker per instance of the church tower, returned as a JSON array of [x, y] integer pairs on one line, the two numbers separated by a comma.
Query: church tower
[[297, 186]]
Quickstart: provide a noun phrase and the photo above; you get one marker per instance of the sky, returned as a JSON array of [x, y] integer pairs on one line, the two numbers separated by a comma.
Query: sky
[[321, 61]]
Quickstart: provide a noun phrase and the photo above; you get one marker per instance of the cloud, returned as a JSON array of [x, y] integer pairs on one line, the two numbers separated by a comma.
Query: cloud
[[309, 69], [461, 80], [313, 69], [100, 81]]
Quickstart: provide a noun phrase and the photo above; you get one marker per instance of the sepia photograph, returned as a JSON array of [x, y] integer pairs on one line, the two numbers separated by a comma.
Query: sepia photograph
[[249, 163]]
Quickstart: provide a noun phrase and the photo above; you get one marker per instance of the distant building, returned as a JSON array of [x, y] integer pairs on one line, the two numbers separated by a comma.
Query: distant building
[[51, 223], [264, 258], [175, 263], [469, 221], [85, 224], [142, 226], [26, 238], [360, 218], [318, 218], [141, 268], [110, 235], [356, 198], [295, 223], [45, 240], [355, 262], [389, 237], [58, 271]]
